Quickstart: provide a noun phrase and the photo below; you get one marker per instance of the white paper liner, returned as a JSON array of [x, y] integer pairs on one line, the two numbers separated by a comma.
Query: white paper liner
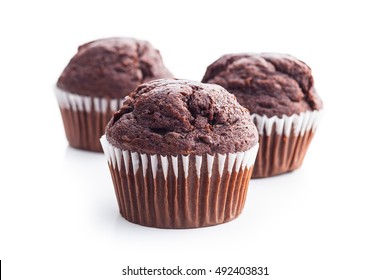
[[299, 124], [239, 160], [85, 118], [77, 102], [283, 142], [183, 191]]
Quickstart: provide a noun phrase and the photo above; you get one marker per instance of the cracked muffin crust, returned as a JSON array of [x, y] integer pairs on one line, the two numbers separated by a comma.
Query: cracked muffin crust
[[266, 84], [171, 117], [112, 67]]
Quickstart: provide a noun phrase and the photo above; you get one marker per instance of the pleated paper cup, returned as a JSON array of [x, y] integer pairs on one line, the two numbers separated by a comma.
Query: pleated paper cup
[[283, 142], [85, 118], [184, 191]]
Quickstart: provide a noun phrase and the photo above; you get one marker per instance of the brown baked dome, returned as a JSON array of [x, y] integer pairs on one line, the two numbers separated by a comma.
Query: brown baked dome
[[171, 117], [266, 84], [112, 67]]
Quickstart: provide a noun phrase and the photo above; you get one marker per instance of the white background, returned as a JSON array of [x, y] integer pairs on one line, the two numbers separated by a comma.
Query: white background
[[327, 220]]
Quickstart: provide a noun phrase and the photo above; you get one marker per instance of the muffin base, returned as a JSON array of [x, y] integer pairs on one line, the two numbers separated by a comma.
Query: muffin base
[[182, 191], [85, 118], [283, 142]]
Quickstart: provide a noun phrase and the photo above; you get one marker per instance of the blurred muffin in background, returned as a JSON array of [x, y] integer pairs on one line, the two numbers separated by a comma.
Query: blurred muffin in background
[[96, 80], [279, 92]]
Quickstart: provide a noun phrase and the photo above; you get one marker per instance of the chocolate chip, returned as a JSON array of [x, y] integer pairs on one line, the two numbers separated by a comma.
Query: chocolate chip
[[205, 139]]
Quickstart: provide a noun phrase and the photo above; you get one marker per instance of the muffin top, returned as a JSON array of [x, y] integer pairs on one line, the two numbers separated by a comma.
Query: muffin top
[[112, 68], [172, 117], [267, 84]]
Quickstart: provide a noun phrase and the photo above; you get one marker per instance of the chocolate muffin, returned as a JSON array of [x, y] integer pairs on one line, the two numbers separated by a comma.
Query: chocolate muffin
[[181, 154], [92, 86], [279, 92]]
